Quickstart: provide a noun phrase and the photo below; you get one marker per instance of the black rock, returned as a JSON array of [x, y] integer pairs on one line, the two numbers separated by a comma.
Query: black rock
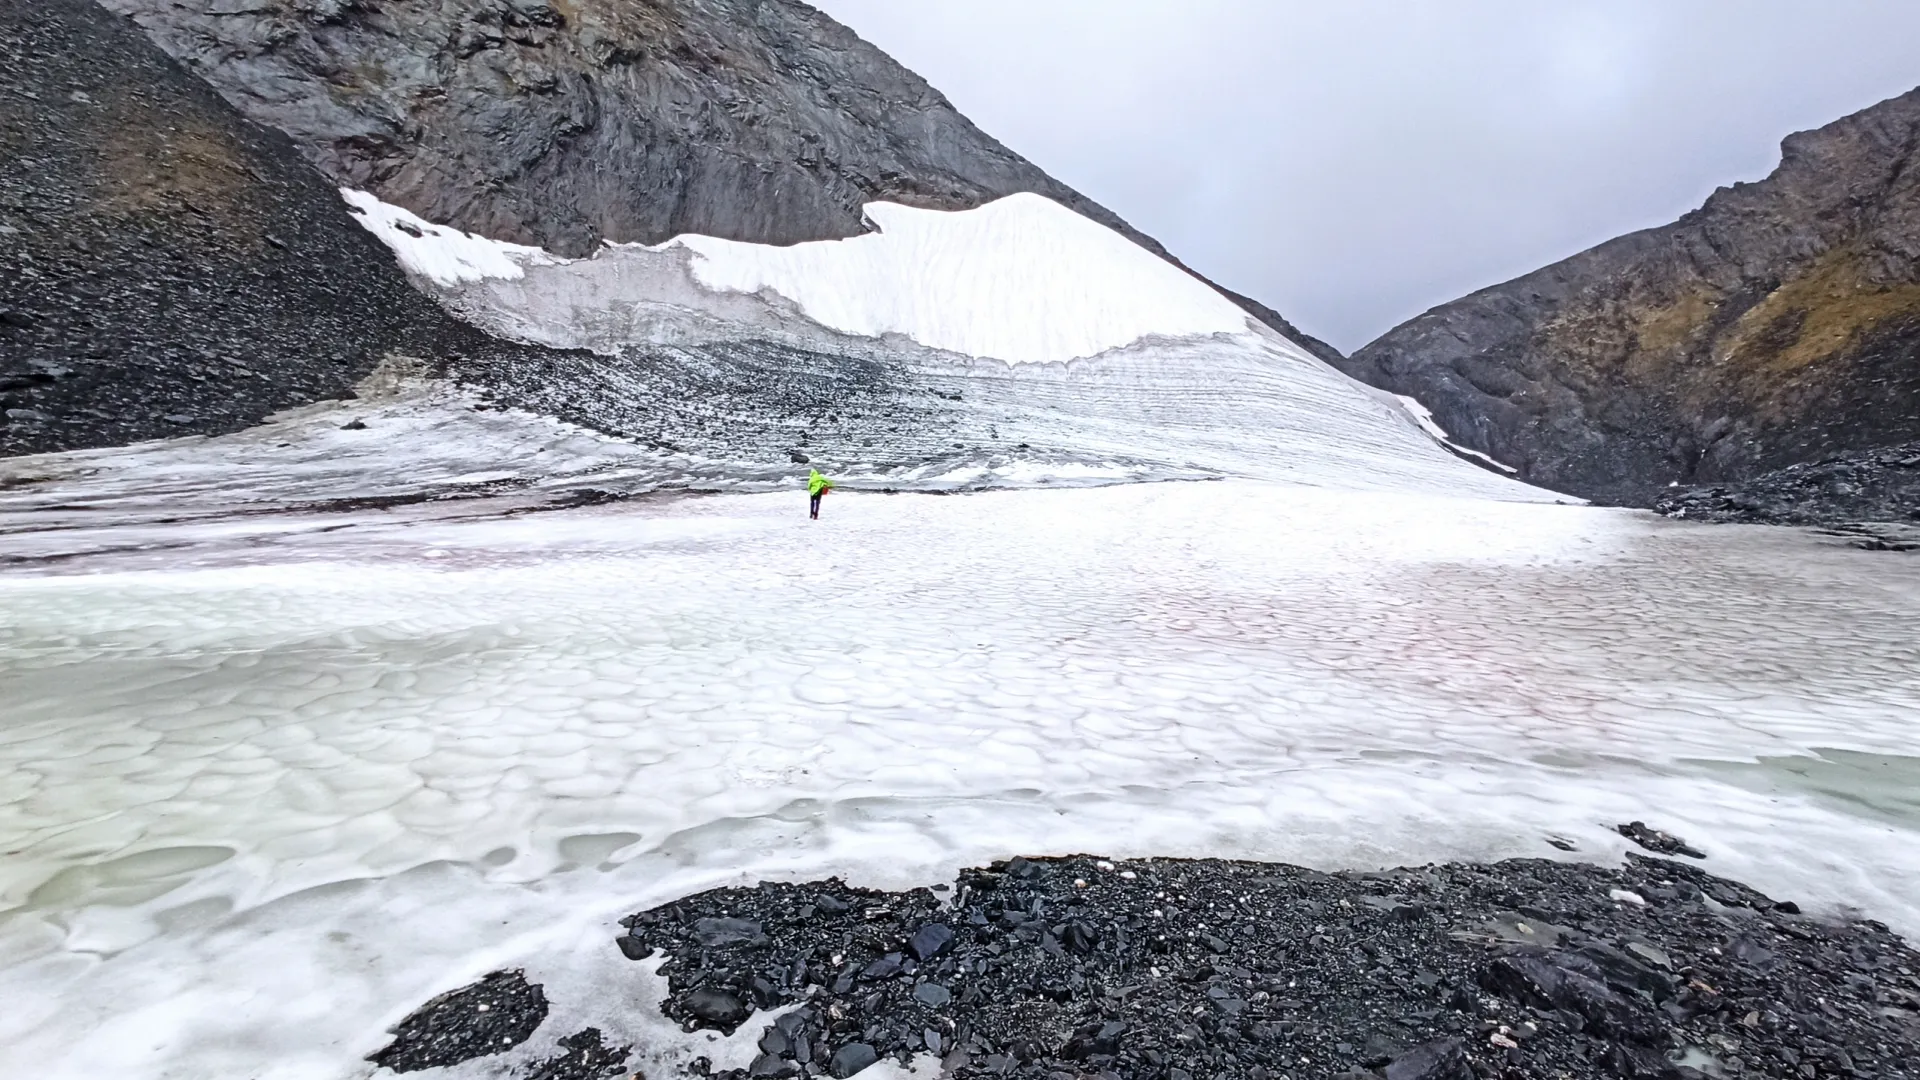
[[1320, 968], [717, 1008], [491, 1016], [1573, 984], [1379, 1050], [798, 458], [767, 1065], [1442, 1059], [1094, 1039], [886, 967], [852, 1058], [1849, 492], [717, 932], [1654, 840], [1025, 869], [584, 1056], [1080, 937], [1624, 971], [633, 948], [930, 941]]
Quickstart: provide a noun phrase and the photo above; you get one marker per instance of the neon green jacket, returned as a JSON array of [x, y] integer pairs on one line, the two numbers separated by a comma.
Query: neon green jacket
[[817, 483]]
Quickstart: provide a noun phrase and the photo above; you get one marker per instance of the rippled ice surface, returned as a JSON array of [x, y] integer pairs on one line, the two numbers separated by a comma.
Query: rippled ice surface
[[255, 811]]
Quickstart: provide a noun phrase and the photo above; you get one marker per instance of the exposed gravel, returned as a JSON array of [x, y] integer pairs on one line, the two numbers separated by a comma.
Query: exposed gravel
[[1216, 970], [172, 268]]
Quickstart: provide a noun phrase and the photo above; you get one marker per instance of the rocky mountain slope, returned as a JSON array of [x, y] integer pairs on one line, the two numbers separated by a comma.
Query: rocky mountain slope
[[1778, 324], [563, 123], [172, 268]]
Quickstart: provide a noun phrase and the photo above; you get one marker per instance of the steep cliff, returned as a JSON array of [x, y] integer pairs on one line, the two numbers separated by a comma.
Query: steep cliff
[[563, 123], [1777, 324], [171, 267]]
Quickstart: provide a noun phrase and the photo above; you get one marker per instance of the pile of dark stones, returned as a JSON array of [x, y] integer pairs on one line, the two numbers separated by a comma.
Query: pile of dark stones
[[1082, 968], [1875, 486]]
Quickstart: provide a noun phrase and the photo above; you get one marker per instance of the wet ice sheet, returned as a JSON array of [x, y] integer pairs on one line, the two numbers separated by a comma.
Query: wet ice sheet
[[1185, 411], [505, 734]]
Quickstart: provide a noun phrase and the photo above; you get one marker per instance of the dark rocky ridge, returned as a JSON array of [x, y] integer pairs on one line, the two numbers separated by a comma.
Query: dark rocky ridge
[[1177, 970], [172, 268], [1776, 325], [564, 123], [1875, 486]]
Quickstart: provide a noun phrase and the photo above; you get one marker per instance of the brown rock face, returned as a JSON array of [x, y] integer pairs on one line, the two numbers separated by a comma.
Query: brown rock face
[[1777, 324], [564, 123]]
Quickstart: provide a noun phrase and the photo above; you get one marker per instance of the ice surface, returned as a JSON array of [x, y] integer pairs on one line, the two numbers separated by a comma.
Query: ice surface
[[256, 812], [1190, 410], [292, 740], [1016, 344]]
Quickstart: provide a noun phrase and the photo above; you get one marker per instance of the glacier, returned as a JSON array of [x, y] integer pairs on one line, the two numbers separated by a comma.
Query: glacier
[[1008, 345], [305, 724]]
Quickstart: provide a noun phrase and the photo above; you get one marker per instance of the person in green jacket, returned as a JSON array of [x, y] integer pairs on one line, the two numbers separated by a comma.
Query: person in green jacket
[[817, 486]]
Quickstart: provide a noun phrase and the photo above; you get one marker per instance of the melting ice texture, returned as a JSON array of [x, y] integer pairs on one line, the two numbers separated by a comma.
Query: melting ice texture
[[255, 813], [268, 780]]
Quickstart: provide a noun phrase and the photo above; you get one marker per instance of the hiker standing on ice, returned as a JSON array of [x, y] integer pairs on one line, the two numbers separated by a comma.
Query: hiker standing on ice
[[817, 487]]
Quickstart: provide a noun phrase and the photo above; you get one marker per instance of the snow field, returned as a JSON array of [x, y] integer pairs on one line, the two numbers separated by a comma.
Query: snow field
[[260, 812], [1021, 279]]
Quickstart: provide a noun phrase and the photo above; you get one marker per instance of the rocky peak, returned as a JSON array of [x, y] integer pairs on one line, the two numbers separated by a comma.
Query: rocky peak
[[1778, 323], [565, 123]]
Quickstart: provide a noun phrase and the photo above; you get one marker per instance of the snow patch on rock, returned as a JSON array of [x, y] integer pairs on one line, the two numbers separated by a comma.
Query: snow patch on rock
[[1424, 417], [441, 253]]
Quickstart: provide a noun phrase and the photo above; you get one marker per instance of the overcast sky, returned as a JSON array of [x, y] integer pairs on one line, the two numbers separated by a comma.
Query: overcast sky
[[1354, 162]]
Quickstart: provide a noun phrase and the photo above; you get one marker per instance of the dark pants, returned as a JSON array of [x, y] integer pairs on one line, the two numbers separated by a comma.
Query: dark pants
[[813, 505]]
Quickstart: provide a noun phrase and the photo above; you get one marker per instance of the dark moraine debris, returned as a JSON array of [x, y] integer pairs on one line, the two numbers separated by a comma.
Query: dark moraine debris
[[1874, 486], [491, 1016], [1656, 841], [1216, 970], [583, 1055], [170, 267]]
